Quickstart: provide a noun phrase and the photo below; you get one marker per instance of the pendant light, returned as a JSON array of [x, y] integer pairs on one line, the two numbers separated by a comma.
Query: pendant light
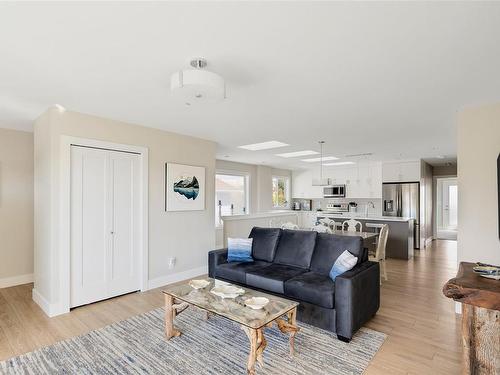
[[321, 181]]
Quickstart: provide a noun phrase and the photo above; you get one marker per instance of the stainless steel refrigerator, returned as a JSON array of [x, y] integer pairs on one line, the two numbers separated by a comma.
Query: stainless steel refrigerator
[[403, 200]]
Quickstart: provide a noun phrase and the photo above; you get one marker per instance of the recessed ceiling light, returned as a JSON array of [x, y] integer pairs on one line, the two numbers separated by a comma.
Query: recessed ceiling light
[[264, 145], [339, 163], [298, 153], [325, 158]]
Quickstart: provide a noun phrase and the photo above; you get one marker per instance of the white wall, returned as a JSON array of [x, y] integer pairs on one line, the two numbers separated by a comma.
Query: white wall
[[188, 236], [478, 149], [260, 199], [260, 182], [426, 206], [16, 207]]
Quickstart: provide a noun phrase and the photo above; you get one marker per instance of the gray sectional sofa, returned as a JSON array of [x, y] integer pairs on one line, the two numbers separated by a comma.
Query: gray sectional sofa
[[296, 264]]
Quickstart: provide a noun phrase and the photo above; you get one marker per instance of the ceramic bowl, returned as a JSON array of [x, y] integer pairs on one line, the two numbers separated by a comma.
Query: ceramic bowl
[[227, 291], [198, 284], [257, 303]]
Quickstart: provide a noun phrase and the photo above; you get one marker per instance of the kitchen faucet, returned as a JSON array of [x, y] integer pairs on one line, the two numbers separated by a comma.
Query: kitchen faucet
[[367, 206]]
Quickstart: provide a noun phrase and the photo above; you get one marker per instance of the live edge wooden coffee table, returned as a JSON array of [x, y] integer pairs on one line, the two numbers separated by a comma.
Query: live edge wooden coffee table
[[252, 322]]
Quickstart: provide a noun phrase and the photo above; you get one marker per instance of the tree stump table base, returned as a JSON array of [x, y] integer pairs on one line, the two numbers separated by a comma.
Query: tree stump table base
[[480, 298]]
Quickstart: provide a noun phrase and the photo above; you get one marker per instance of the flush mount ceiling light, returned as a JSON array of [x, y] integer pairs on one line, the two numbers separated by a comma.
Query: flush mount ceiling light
[[264, 145], [196, 85], [324, 158], [339, 163], [298, 153]]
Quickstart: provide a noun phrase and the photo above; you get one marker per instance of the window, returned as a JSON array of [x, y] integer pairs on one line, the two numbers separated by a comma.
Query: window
[[231, 195], [281, 192]]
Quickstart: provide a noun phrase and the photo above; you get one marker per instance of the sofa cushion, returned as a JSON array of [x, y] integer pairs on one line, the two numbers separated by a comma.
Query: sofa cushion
[[265, 241], [239, 249], [329, 247], [295, 248], [237, 271], [312, 287], [273, 277]]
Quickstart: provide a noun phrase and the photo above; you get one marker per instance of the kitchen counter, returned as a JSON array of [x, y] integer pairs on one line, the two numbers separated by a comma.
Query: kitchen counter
[[259, 215], [348, 216]]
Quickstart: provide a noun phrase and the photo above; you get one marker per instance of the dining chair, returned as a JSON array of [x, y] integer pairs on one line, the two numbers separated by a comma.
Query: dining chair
[[351, 225], [328, 223], [320, 228], [289, 225], [379, 255]]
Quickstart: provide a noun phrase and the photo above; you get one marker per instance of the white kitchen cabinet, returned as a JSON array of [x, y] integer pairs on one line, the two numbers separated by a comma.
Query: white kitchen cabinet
[[406, 171], [363, 181], [302, 185]]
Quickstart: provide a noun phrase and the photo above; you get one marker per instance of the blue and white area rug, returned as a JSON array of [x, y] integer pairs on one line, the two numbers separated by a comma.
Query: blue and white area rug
[[217, 346]]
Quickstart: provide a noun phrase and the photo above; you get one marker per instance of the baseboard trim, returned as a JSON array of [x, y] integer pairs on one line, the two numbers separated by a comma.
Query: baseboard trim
[[7, 282], [176, 277], [50, 309]]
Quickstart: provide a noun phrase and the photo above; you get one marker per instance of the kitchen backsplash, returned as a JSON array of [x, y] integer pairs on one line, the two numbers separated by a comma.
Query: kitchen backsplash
[[362, 202]]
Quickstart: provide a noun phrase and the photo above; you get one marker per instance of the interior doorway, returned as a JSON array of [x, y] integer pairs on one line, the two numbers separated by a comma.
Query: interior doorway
[[446, 208]]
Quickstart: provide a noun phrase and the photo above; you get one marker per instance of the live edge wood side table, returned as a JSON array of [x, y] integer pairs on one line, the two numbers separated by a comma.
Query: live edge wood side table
[[480, 298]]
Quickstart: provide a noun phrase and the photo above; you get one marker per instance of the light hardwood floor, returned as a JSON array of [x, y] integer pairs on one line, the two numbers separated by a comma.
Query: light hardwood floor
[[423, 332]]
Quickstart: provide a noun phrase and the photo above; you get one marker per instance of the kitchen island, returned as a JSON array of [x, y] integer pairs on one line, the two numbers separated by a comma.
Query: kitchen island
[[400, 243]]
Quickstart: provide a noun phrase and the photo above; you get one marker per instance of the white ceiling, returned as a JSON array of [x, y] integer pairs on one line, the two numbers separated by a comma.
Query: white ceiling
[[385, 78]]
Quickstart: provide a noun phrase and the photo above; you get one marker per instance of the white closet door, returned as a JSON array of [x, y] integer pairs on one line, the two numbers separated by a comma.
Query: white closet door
[[124, 256], [104, 224]]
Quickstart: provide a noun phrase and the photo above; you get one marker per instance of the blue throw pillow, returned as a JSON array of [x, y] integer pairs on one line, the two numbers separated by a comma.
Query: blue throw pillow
[[239, 249], [345, 262]]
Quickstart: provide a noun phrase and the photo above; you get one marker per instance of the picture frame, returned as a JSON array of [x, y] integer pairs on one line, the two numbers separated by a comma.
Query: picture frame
[[184, 187]]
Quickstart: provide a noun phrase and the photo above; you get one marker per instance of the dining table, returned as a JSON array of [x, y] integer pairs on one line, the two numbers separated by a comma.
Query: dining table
[[369, 238]]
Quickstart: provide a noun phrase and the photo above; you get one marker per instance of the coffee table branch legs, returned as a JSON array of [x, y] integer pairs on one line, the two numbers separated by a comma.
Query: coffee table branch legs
[[171, 311], [290, 327], [257, 345]]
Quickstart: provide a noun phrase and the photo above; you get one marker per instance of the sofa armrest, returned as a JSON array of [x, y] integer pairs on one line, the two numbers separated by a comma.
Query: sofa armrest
[[357, 298], [216, 257]]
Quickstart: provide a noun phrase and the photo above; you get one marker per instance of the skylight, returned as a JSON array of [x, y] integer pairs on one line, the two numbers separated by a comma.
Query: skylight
[[264, 145], [325, 158], [339, 163], [298, 153]]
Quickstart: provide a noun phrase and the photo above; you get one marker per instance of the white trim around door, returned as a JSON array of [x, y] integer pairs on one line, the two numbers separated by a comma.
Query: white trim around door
[[65, 211]]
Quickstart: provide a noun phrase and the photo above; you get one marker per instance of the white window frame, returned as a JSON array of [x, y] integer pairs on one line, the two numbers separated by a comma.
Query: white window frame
[[288, 192], [228, 172]]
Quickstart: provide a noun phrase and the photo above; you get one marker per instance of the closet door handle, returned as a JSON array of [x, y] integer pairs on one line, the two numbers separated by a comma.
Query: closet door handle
[[112, 232]]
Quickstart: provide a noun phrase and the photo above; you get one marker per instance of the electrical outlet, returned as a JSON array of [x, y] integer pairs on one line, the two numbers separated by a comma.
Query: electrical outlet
[[171, 262]]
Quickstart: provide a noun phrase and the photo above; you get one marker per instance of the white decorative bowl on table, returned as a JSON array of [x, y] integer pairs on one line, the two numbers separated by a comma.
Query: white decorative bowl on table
[[227, 291], [199, 284], [257, 303]]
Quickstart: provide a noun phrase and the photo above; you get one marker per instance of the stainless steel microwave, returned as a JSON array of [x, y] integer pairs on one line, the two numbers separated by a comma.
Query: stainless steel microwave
[[334, 191]]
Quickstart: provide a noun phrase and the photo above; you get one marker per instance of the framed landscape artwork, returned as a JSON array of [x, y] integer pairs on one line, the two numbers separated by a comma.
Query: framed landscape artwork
[[184, 187]]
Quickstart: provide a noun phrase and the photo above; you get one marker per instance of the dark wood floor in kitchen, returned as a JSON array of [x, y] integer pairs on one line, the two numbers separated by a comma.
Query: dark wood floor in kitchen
[[422, 327]]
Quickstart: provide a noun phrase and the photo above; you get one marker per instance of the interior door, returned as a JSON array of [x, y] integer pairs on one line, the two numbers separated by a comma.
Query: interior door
[[124, 240], [450, 206], [104, 226]]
